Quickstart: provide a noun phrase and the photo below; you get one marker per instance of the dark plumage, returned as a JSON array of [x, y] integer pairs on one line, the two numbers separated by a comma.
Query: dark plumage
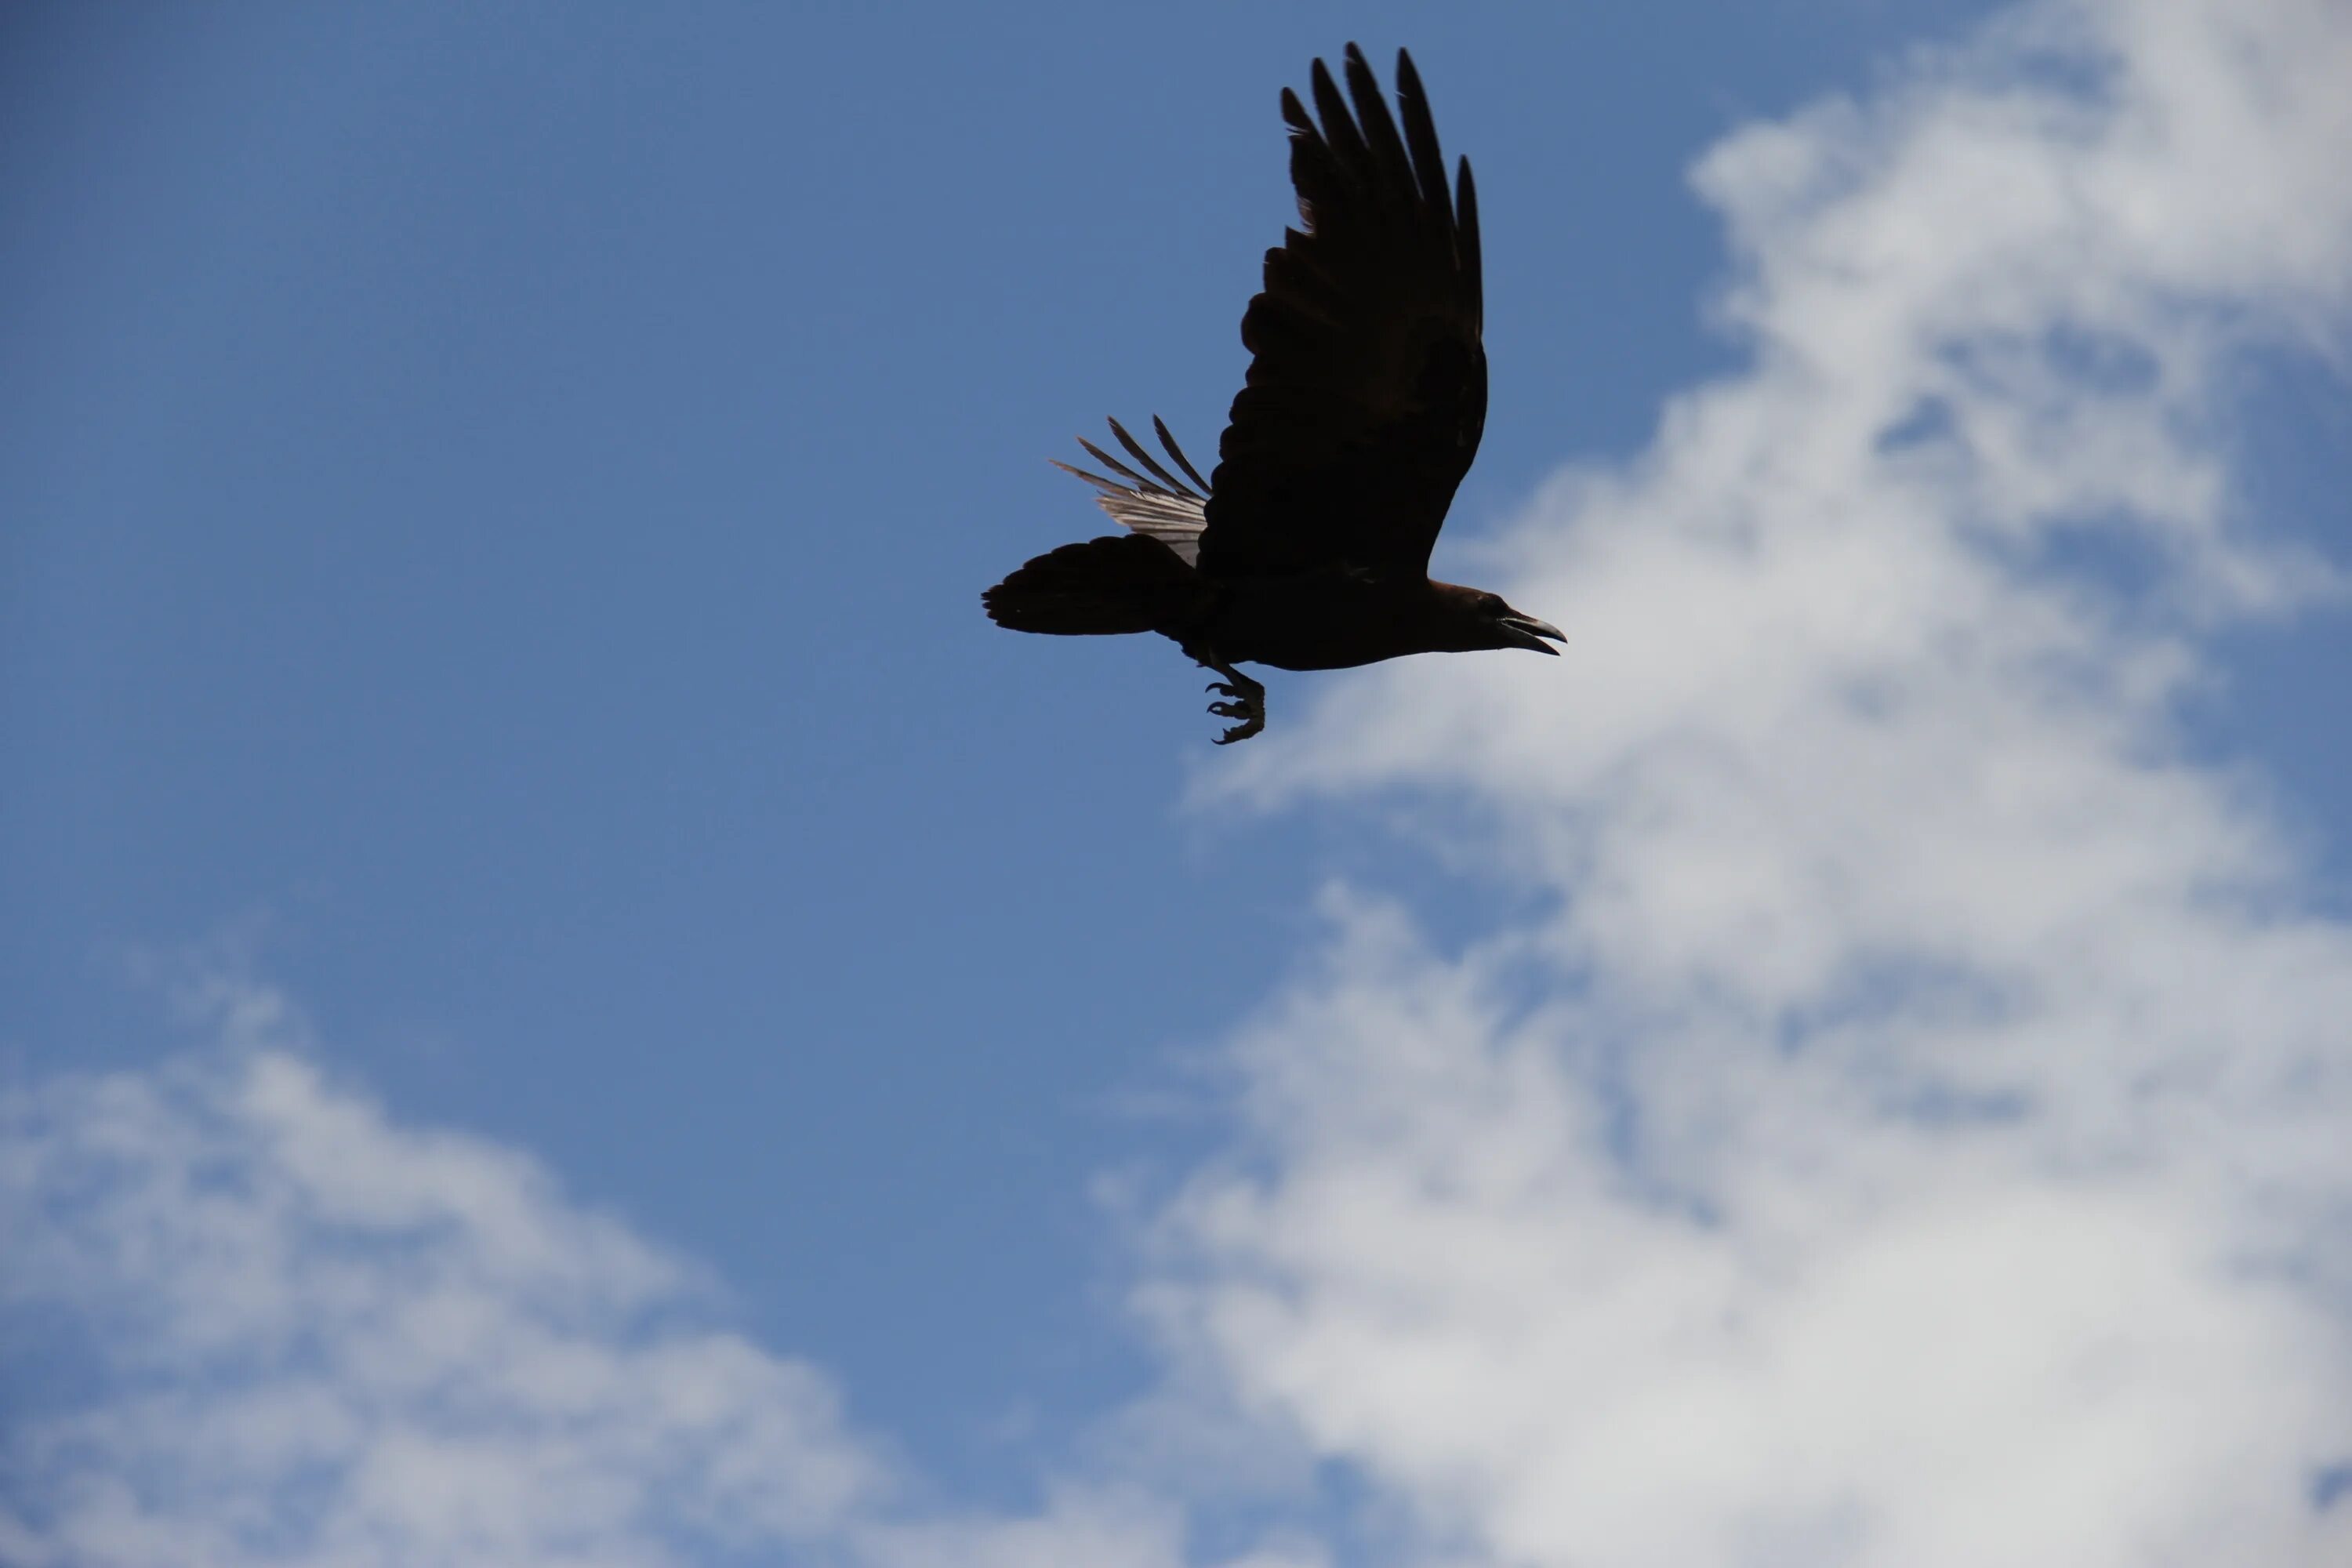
[[1308, 549]]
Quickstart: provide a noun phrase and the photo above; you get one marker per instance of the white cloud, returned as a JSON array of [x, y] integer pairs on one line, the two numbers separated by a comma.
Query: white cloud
[[328, 1338], [1913, 1134], [295, 1332], [284, 1329], [1917, 1136]]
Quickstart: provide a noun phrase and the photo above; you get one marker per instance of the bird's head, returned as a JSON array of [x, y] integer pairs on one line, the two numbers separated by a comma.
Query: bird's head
[[1476, 619]]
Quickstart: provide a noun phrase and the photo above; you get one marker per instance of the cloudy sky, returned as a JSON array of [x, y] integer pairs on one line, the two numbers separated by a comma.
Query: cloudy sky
[[566, 1000]]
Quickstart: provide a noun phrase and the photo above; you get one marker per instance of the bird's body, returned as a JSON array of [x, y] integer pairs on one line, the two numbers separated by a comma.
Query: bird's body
[[1365, 401], [1328, 620]]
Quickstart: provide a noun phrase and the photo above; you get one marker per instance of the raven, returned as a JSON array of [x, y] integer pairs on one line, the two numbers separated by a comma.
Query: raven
[[1367, 393]]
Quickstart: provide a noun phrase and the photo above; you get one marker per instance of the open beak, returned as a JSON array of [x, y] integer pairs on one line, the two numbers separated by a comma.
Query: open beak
[[1530, 633]]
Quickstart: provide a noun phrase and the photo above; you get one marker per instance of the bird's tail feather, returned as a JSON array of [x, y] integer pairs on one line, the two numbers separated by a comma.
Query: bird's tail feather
[[1120, 583]]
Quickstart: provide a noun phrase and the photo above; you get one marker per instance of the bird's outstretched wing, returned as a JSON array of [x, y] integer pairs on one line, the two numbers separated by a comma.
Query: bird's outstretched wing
[[1368, 389], [1162, 506]]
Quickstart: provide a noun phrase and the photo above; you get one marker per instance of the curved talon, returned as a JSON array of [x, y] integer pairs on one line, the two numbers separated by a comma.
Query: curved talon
[[1250, 710], [1248, 698]]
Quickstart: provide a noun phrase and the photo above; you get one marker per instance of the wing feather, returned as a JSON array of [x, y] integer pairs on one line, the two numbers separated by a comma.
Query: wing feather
[[1183, 462], [1115, 465], [1387, 148], [1421, 136], [1366, 388], [1171, 513], [1152, 466]]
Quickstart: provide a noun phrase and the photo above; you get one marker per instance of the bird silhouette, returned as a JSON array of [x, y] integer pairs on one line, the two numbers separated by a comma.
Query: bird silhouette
[[1309, 548]]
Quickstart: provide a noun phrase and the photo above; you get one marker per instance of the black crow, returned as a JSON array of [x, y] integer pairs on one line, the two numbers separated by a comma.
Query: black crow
[[1367, 393]]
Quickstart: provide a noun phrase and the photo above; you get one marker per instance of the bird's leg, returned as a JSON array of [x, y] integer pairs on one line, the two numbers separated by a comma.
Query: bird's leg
[[1248, 703]]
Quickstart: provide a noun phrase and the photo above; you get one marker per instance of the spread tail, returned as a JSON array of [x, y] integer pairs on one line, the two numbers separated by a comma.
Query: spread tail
[[1120, 583]]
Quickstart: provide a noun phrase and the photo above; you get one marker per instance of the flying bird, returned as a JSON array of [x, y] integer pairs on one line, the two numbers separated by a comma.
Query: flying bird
[[1308, 547]]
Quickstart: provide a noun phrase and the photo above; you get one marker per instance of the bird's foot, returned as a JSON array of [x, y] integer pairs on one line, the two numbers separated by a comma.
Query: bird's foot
[[1248, 706]]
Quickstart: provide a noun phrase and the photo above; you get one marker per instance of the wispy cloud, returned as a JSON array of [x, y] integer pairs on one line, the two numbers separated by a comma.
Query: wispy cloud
[[324, 1338], [281, 1327], [1913, 1134]]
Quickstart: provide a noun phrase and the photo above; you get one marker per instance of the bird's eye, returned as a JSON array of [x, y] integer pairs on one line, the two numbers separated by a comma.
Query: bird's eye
[[1493, 605]]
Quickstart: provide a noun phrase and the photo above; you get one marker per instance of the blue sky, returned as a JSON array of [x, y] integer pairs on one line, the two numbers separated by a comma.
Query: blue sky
[[497, 504]]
